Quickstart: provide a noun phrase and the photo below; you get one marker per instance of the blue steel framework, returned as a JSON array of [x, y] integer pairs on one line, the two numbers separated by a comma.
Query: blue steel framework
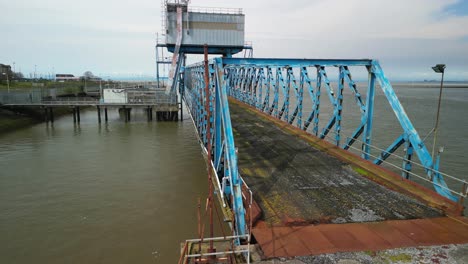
[[266, 84]]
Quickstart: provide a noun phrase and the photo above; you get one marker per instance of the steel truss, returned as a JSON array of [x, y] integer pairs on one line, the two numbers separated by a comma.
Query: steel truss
[[267, 84]]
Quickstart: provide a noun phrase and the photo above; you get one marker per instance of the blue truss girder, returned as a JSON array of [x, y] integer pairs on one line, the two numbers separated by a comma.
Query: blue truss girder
[[363, 129], [413, 137], [255, 81], [298, 93], [224, 155]]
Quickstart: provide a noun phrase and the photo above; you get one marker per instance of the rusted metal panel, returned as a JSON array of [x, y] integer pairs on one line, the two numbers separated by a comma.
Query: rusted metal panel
[[282, 241], [319, 245]]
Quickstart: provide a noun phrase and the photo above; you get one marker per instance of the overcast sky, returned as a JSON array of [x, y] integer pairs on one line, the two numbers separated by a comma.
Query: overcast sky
[[118, 36]]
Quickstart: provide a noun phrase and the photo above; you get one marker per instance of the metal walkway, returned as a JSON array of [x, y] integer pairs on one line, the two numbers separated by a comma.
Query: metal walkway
[[296, 184], [312, 202], [268, 144]]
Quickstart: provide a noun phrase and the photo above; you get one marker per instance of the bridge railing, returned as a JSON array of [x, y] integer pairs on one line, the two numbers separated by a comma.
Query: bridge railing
[[280, 87], [224, 154], [134, 97]]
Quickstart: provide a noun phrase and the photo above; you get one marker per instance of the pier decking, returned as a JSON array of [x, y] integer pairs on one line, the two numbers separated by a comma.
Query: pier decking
[[316, 198]]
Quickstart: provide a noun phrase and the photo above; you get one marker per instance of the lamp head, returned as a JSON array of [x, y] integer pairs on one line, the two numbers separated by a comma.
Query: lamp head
[[439, 68]]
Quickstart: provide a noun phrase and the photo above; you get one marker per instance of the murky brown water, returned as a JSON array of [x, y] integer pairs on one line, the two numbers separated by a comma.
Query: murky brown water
[[115, 193]]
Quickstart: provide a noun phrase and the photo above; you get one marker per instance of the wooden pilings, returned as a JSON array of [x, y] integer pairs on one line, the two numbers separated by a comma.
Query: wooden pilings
[[124, 111], [149, 113], [167, 115], [76, 114], [48, 114], [99, 114], [181, 109], [78, 118]]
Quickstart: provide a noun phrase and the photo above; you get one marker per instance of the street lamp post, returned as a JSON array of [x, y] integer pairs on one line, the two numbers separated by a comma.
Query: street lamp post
[[439, 68], [8, 81]]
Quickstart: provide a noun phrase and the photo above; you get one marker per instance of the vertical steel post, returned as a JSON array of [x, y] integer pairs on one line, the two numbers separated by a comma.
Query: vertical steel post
[[46, 116], [208, 143], [276, 93], [339, 106], [438, 114], [200, 235], [218, 124], [99, 114], [74, 115], [367, 137], [261, 81], [105, 114], [407, 166], [301, 99], [51, 113], [157, 63], [316, 97]]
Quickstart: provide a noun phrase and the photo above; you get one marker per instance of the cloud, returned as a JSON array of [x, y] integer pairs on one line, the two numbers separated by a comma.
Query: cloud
[[119, 35]]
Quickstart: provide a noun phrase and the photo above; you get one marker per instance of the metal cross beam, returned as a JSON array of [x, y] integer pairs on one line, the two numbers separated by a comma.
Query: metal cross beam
[[278, 87], [282, 76]]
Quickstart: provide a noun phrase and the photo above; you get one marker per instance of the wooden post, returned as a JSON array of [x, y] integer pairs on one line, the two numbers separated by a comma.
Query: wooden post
[[51, 114], [74, 115], [78, 118], [181, 111], [46, 117], [99, 114]]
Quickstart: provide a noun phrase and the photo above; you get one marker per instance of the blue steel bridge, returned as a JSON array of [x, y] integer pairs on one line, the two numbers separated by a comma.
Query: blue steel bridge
[[285, 173], [280, 174]]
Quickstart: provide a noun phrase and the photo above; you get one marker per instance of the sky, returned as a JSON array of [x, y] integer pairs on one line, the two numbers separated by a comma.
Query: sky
[[117, 37]]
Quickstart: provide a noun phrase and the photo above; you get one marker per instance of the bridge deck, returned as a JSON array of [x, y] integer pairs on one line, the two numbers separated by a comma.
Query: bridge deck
[[297, 185]]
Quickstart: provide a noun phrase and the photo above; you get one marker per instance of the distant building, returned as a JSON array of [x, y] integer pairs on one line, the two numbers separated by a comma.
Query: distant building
[[65, 77], [95, 79], [7, 70]]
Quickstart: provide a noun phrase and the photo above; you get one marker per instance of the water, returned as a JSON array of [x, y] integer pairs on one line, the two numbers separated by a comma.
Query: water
[[126, 193], [116, 193]]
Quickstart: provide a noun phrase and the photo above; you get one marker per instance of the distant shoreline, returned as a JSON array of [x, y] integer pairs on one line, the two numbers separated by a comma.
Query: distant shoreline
[[428, 85]]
